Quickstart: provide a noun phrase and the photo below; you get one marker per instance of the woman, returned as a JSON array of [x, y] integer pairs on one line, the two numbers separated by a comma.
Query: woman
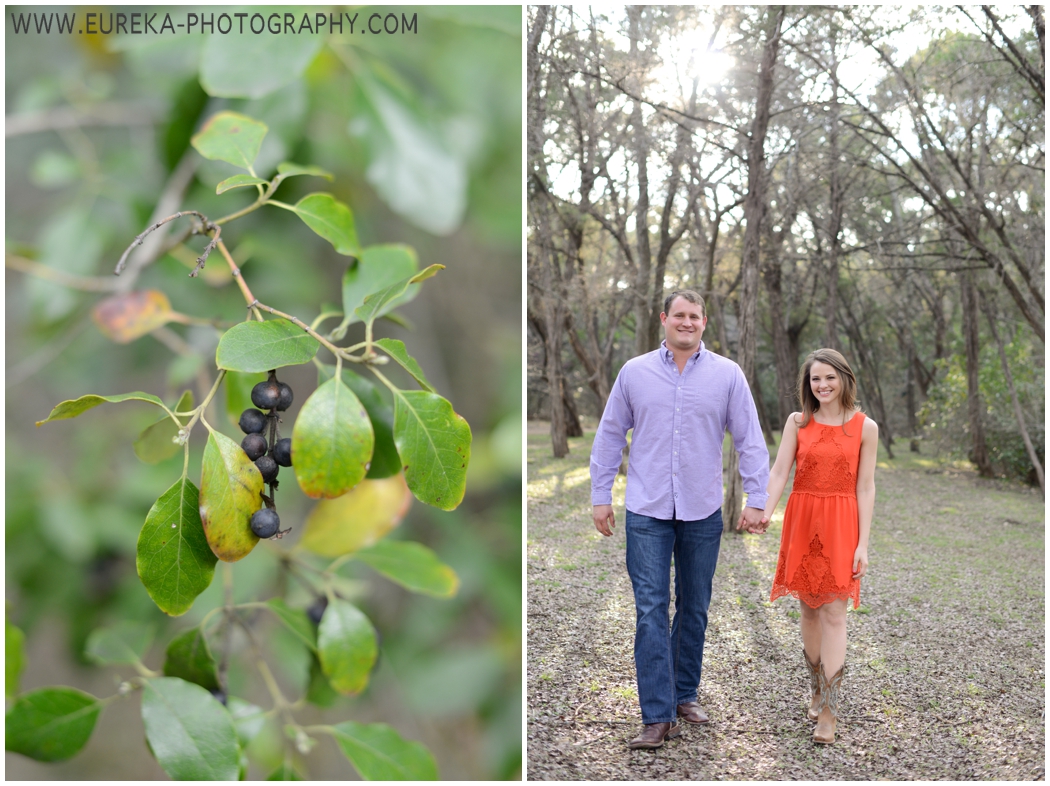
[[824, 543]]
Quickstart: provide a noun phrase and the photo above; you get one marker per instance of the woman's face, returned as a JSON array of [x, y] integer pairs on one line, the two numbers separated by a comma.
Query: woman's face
[[825, 383]]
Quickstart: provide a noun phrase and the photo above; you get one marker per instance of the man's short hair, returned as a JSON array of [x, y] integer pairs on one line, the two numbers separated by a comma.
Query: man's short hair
[[689, 295]]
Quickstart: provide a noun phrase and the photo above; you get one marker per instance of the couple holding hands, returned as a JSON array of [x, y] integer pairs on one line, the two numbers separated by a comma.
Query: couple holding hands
[[680, 400]]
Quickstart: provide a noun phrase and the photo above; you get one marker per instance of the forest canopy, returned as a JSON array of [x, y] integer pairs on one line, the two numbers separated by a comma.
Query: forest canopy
[[868, 178]]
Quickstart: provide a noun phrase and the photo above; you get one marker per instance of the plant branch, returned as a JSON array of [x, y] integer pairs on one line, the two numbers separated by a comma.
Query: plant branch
[[207, 250], [83, 283], [169, 201], [339, 352], [249, 298], [141, 237]]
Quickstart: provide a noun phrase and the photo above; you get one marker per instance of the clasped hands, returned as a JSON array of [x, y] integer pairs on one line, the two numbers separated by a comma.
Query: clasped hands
[[754, 520]]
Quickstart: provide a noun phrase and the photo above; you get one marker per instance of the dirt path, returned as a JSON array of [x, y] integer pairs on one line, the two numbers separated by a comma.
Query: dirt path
[[945, 666]]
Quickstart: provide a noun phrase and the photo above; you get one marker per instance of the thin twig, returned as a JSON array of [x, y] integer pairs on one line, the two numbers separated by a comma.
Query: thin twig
[[169, 201], [207, 250], [83, 283], [153, 227], [111, 113], [339, 352], [249, 298]]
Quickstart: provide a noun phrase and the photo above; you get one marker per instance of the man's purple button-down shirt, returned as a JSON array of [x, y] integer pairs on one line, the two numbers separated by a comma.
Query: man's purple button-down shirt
[[679, 422]]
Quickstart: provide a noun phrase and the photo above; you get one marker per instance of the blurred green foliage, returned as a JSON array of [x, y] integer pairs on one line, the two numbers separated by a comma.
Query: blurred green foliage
[[422, 132], [945, 412]]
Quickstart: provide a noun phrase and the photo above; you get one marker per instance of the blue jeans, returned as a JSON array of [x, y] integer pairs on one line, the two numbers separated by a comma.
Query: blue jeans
[[668, 663]]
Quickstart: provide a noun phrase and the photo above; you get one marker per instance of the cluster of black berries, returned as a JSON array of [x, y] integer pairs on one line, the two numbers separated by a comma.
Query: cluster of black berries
[[265, 447]]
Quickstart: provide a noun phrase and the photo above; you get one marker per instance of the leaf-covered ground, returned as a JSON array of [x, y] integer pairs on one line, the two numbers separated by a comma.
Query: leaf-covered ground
[[945, 663]]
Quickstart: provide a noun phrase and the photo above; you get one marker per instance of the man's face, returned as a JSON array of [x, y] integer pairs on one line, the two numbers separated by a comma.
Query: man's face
[[684, 325]]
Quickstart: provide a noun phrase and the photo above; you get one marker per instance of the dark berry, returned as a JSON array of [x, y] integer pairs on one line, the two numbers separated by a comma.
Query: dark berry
[[254, 445], [285, 399], [265, 523], [268, 467], [316, 609], [252, 421], [282, 452], [266, 395]]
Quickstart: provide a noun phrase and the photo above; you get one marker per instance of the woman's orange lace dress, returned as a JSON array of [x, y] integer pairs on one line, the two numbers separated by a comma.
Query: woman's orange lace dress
[[821, 521]]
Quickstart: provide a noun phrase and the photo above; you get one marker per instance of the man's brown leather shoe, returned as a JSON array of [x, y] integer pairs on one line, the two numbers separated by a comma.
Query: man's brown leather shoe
[[692, 713], [654, 734]]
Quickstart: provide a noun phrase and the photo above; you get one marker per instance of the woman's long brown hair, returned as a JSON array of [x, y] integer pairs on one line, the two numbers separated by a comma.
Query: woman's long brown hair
[[848, 395]]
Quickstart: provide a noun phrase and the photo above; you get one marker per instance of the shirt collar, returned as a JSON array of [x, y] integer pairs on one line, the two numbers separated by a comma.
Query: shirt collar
[[667, 354]]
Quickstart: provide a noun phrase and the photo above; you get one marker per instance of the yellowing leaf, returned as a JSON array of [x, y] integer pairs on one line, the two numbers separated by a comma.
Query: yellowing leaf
[[231, 491], [358, 518], [123, 318]]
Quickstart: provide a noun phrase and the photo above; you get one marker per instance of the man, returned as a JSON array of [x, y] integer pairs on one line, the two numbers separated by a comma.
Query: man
[[679, 399]]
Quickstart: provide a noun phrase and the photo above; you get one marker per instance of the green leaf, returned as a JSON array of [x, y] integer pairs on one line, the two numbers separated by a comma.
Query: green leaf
[[239, 393], [331, 219], [319, 691], [412, 565], [434, 445], [14, 657], [375, 304], [125, 642], [288, 169], [295, 620], [410, 164], [262, 346], [157, 442], [230, 137], [285, 773], [189, 658], [248, 719], [358, 518], [379, 753], [231, 491], [75, 407], [378, 268], [51, 724], [347, 646], [396, 350], [245, 65], [385, 461], [239, 181], [172, 557], [189, 731], [332, 441]]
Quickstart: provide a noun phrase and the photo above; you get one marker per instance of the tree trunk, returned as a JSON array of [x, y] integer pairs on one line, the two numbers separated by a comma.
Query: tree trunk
[[643, 285], [755, 200], [573, 428], [785, 362], [836, 206], [753, 209], [734, 493], [979, 450]]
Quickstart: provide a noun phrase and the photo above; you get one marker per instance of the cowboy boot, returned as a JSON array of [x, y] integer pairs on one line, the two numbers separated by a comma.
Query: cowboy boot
[[814, 681], [828, 711]]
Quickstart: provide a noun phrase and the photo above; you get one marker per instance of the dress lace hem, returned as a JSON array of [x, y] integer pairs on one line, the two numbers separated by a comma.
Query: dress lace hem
[[817, 600]]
